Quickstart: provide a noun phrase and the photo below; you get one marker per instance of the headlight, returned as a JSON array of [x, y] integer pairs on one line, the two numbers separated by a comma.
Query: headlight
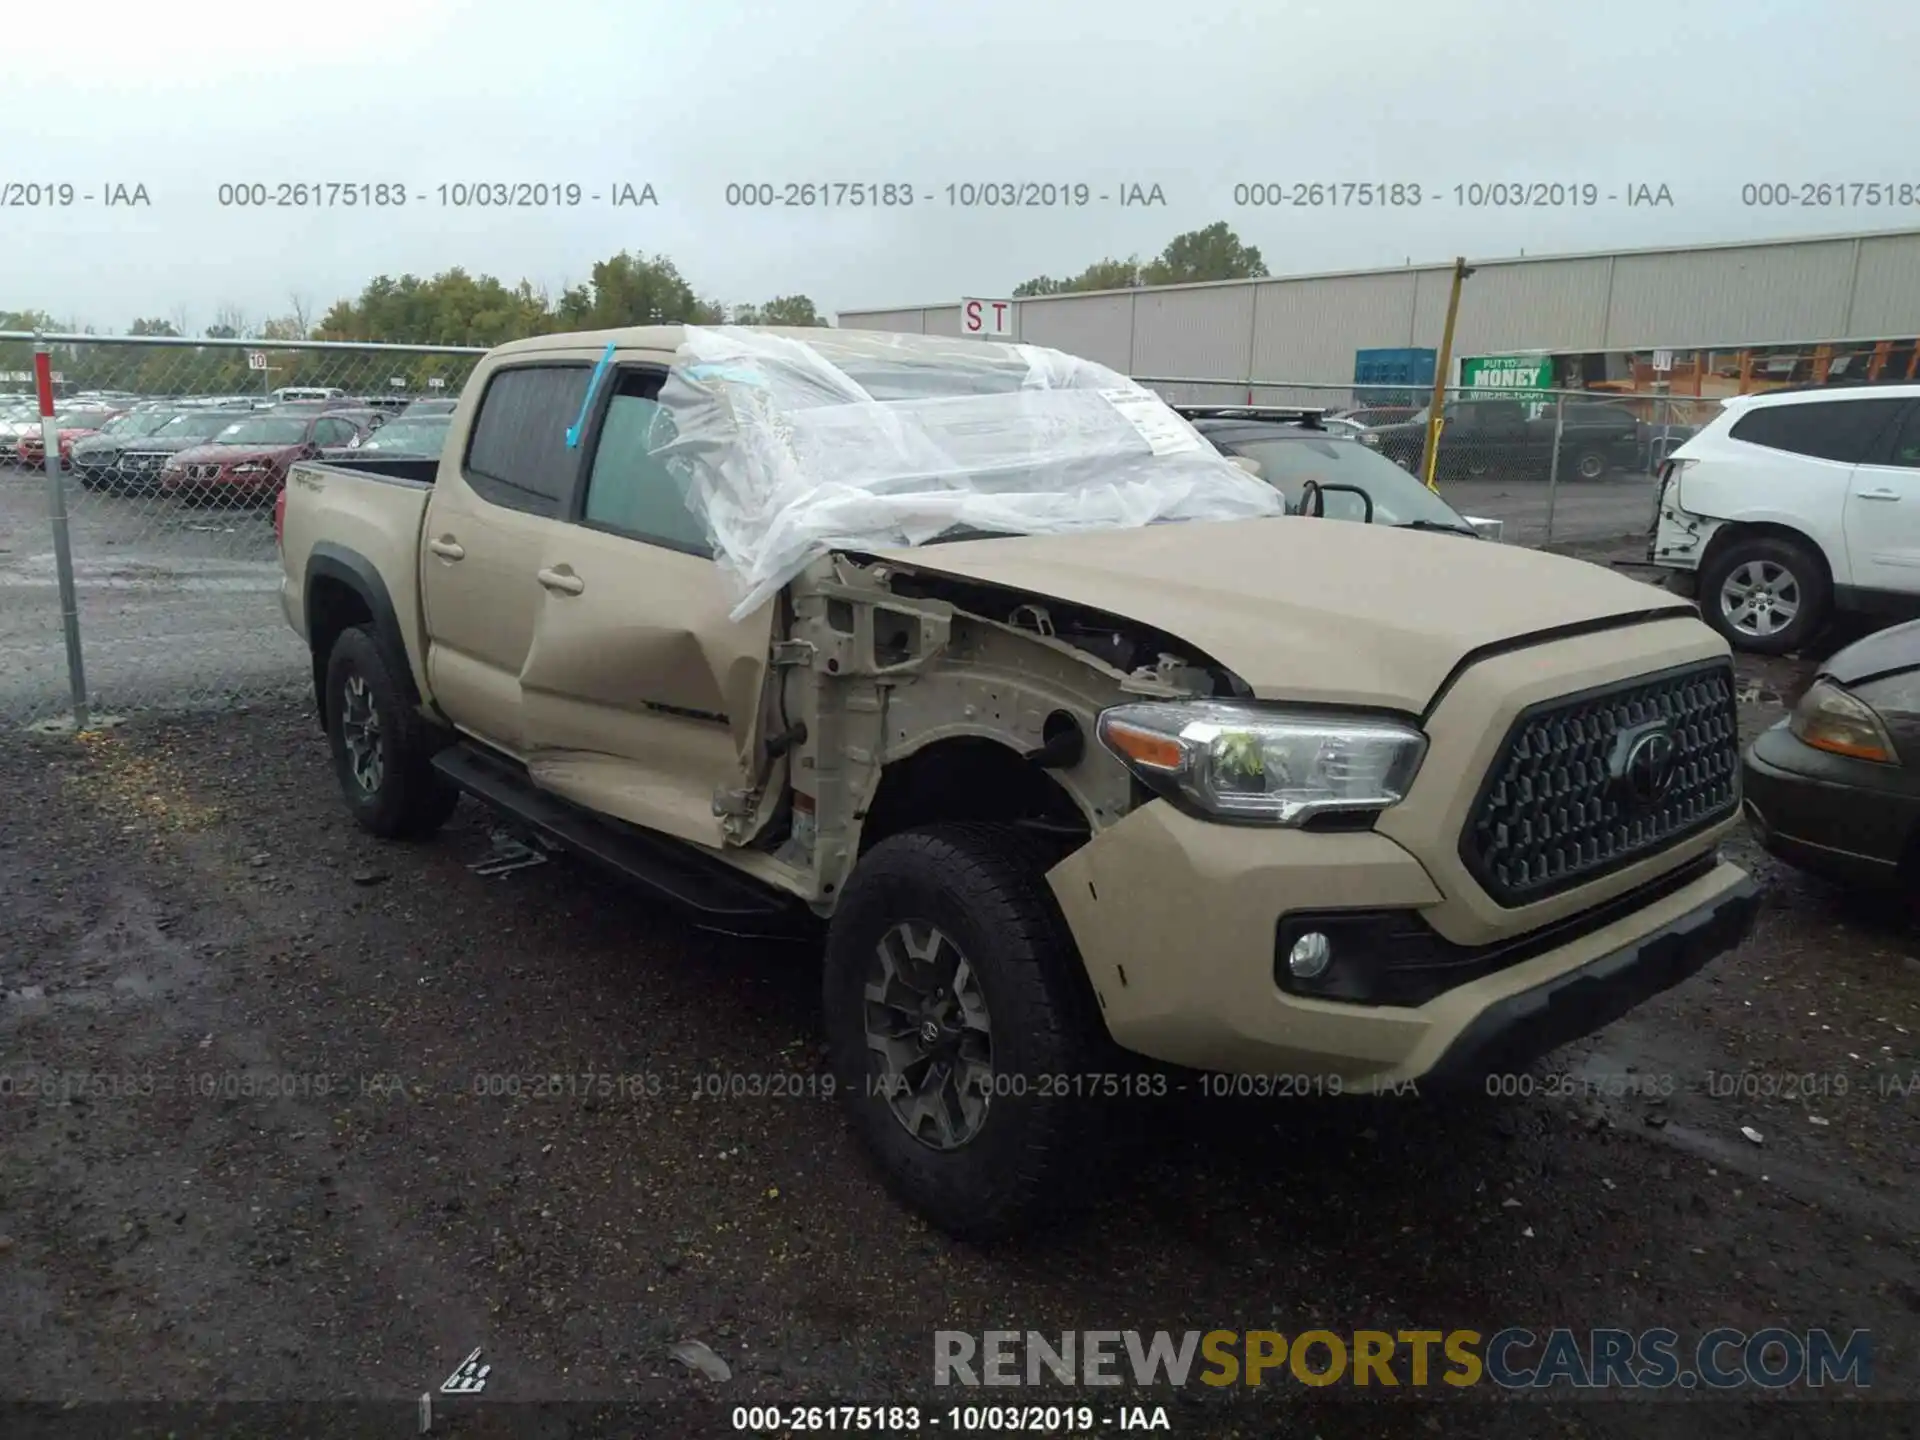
[[252, 467], [1275, 767], [1831, 719], [1367, 437]]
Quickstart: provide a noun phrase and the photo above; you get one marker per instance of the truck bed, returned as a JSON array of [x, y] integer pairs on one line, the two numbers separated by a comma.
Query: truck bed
[[362, 522]]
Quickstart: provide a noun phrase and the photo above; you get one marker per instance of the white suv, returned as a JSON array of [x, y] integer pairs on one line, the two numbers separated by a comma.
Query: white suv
[[1791, 506]]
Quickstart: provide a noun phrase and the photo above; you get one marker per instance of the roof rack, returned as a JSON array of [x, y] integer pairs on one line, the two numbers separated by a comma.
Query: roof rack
[[1307, 415]]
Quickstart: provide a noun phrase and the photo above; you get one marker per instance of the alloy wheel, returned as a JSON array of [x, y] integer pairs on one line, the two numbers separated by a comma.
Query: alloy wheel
[[360, 730], [1760, 598], [929, 1035]]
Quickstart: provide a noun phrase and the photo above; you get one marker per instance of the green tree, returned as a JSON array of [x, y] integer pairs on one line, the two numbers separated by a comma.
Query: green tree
[[152, 327], [1101, 275], [636, 289], [794, 310], [1213, 253]]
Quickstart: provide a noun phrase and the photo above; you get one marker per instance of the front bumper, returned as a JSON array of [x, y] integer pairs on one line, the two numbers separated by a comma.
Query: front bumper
[[1845, 819], [1176, 922], [1514, 1031]]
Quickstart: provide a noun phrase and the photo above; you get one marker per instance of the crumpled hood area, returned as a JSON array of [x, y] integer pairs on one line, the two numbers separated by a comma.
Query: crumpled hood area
[[1319, 611]]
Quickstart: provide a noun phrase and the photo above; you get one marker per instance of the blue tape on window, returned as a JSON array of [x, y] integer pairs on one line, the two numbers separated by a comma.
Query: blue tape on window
[[575, 430], [739, 374]]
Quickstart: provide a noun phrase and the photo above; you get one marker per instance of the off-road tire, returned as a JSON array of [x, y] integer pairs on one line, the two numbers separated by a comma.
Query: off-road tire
[[1798, 560], [411, 800], [1039, 1145]]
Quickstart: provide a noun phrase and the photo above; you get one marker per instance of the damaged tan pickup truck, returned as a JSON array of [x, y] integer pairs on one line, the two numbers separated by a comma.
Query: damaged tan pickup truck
[[1080, 746]]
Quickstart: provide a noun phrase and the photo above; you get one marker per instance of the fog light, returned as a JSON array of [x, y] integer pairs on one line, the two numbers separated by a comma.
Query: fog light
[[1310, 955]]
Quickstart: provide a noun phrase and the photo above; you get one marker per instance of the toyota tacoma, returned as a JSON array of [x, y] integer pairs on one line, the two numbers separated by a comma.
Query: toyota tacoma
[[1064, 736]]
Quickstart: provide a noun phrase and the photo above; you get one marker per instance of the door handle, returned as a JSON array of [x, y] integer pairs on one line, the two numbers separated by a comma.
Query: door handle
[[562, 582], [1880, 494], [447, 549]]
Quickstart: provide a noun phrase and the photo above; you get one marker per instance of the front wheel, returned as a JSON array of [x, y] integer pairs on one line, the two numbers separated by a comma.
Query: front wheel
[[382, 749], [1767, 595], [962, 1030]]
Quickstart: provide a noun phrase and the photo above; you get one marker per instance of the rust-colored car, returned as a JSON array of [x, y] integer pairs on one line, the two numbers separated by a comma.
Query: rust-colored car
[[31, 449], [247, 462]]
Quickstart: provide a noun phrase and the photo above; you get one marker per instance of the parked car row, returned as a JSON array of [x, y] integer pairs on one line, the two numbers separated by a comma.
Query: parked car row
[[223, 450]]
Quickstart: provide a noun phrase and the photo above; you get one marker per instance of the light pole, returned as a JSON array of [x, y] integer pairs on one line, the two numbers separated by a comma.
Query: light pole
[[1436, 410]]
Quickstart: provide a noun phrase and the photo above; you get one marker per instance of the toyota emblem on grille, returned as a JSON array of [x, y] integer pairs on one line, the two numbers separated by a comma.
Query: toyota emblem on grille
[[1645, 763]]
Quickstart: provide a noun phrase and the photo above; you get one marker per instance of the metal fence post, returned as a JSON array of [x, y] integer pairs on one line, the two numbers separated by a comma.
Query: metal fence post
[[62, 547], [1553, 465]]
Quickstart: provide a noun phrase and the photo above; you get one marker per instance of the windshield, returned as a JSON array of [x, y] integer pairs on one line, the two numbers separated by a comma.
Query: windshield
[[194, 426], [79, 419], [145, 422], [424, 436], [267, 431], [430, 407], [1397, 497]]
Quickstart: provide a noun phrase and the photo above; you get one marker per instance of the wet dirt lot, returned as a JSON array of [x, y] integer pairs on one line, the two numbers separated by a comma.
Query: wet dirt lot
[[315, 1155]]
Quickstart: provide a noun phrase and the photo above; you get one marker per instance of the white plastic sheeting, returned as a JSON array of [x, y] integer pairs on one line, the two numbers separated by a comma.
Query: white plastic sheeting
[[793, 448]]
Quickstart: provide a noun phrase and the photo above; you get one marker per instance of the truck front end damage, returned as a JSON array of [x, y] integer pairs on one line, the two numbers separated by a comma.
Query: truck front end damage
[[906, 697]]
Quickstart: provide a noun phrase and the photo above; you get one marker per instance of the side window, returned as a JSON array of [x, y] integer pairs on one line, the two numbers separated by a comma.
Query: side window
[[632, 489], [335, 432], [1905, 450], [518, 456], [1842, 430]]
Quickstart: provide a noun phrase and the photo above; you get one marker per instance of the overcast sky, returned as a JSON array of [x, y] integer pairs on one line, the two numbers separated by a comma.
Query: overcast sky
[[1701, 96]]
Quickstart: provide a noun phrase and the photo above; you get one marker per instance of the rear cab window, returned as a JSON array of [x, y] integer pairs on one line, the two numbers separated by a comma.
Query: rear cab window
[[518, 456]]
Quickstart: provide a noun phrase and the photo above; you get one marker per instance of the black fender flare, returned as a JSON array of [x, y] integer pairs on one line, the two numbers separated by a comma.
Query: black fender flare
[[331, 561]]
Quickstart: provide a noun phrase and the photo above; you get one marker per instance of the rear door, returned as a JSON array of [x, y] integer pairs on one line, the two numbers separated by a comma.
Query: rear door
[[1792, 463], [482, 543], [1883, 510], [640, 697]]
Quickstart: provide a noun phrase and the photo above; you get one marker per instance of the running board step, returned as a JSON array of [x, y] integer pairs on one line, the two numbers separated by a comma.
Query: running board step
[[717, 896]]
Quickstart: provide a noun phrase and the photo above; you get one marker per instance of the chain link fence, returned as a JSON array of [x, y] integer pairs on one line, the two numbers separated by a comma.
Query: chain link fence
[[171, 453], [1570, 469]]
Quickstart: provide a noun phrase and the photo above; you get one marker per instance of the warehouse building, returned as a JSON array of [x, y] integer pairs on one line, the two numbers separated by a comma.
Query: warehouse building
[[1707, 320]]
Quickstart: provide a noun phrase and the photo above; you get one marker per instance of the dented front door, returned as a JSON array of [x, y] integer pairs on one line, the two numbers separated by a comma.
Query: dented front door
[[639, 697]]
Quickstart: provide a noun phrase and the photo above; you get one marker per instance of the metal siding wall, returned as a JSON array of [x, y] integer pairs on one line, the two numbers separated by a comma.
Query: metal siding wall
[[1533, 305], [1193, 332], [1201, 394], [910, 322], [941, 320], [1309, 329], [1744, 294], [1430, 307], [1886, 298], [1097, 328]]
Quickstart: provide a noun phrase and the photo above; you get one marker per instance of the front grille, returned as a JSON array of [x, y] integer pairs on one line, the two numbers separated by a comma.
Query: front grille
[[1555, 810]]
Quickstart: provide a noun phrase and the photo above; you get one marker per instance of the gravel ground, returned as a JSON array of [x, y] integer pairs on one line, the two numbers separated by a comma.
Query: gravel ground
[[187, 904]]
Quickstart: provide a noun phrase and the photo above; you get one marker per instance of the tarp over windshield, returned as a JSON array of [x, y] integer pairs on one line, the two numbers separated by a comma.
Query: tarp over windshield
[[790, 449]]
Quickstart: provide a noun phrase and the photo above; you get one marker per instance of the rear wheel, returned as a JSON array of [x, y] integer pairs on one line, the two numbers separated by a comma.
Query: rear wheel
[[957, 1015], [1591, 465], [382, 749], [1767, 595]]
